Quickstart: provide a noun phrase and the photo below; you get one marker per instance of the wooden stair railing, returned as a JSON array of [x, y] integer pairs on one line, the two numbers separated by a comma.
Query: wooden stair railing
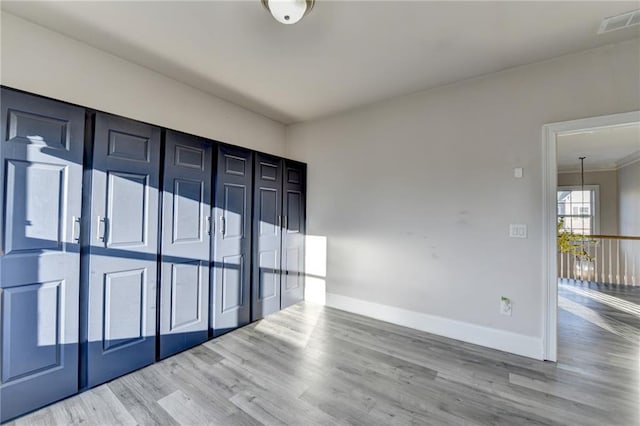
[[615, 259]]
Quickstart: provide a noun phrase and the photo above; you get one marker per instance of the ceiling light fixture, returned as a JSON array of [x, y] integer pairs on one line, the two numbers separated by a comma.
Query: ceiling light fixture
[[288, 11]]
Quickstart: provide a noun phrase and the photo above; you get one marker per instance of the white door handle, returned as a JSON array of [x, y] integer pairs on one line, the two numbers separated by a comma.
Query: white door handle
[[75, 229]]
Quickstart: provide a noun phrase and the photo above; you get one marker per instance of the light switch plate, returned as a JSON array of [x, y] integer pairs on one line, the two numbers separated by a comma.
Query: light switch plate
[[517, 230], [517, 172]]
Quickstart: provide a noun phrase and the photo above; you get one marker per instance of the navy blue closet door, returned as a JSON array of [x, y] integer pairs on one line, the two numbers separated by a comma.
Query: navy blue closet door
[[267, 236], [123, 248], [41, 188], [186, 224], [232, 239], [293, 235]]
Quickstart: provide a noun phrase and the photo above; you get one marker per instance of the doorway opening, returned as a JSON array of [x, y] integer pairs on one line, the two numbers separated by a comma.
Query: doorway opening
[[591, 229]]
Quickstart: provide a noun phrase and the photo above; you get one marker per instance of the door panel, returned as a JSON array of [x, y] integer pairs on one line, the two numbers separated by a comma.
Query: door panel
[[231, 241], [124, 308], [41, 148], [123, 248], [187, 210], [232, 283], [267, 234], [128, 147], [294, 211], [292, 277], [269, 279], [186, 294], [184, 291], [37, 128], [37, 224], [42, 343], [234, 211], [294, 233], [127, 198]]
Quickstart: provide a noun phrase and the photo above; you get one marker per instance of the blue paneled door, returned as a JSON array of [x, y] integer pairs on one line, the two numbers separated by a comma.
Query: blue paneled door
[[41, 148], [232, 239], [293, 234], [123, 247], [186, 219], [267, 236]]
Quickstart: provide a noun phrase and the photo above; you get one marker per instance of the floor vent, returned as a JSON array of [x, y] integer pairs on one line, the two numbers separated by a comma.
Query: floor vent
[[619, 22]]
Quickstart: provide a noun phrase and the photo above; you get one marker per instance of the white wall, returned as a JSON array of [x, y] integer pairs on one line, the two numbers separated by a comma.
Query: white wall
[[415, 194], [629, 219], [41, 61], [629, 199]]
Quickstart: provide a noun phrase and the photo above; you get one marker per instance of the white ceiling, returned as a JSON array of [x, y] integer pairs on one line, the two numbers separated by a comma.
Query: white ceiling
[[606, 148], [344, 54]]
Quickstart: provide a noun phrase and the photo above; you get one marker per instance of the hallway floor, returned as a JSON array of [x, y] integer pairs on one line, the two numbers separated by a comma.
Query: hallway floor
[[316, 365]]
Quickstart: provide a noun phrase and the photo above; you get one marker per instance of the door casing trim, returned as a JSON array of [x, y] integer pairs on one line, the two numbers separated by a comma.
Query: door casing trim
[[550, 133]]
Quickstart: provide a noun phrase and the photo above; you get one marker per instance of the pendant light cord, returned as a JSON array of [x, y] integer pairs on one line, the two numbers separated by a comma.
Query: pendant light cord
[[584, 252], [582, 174]]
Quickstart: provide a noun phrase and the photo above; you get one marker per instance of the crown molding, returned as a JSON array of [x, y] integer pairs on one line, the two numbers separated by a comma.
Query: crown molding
[[589, 170], [624, 162], [628, 160]]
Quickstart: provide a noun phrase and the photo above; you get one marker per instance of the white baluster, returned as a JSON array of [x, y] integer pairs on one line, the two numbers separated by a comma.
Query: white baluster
[[617, 261], [572, 263], [595, 260], [635, 251], [610, 265], [593, 257], [602, 259], [625, 264]]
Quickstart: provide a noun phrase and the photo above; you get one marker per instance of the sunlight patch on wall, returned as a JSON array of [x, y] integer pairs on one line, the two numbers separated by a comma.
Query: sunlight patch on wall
[[316, 269]]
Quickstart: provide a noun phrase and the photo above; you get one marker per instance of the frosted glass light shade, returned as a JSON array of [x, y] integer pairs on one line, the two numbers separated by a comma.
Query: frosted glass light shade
[[288, 11]]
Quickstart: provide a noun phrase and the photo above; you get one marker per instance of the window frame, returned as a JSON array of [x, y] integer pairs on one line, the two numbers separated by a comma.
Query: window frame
[[595, 223]]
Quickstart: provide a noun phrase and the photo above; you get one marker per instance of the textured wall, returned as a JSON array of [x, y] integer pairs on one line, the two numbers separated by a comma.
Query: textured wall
[[415, 194]]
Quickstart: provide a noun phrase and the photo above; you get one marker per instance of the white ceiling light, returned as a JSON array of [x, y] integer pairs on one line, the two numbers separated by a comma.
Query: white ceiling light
[[288, 11]]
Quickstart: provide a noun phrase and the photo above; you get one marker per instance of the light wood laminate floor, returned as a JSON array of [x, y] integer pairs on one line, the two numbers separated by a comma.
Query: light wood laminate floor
[[314, 365]]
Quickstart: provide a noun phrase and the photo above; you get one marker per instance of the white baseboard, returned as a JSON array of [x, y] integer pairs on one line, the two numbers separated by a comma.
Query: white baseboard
[[506, 341]]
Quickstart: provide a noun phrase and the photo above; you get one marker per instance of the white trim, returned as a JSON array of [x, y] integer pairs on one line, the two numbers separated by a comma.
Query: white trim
[[628, 160], [549, 216], [507, 341], [596, 203], [587, 170], [632, 158]]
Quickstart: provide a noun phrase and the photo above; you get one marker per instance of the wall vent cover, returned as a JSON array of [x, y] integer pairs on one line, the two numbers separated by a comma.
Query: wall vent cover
[[619, 22]]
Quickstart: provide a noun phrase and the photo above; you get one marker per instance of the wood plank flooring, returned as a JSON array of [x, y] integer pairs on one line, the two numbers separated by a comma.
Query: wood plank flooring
[[311, 365]]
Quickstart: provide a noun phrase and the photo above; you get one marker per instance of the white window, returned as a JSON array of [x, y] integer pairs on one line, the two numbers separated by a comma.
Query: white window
[[578, 209]]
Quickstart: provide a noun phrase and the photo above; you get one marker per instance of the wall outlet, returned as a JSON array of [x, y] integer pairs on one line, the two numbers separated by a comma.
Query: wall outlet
[[505, 306]]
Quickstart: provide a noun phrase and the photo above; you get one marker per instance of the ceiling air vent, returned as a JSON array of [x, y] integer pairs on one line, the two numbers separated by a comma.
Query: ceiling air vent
[[619, 22]]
